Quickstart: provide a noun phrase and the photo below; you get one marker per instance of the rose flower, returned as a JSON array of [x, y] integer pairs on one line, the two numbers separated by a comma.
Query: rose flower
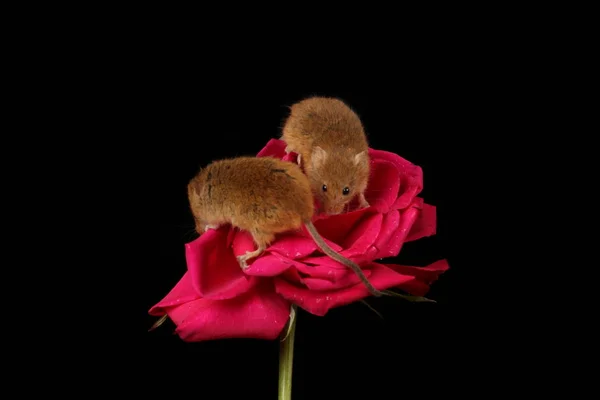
[[216, 299]]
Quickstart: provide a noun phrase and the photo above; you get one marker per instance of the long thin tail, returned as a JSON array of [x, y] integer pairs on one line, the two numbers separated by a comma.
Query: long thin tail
[[338, 257]]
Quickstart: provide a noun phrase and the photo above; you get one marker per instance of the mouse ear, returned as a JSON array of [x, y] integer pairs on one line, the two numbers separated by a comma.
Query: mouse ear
[[319, 155], [360, 157], [192, 190]]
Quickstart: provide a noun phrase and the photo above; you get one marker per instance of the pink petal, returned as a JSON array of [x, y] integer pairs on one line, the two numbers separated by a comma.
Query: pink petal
[[425, 225], [293, 246], [424, 276], [319, 302], [417, 203], [274, 148], [258, 314], [270, 264], [334, 246], [322, 267], [372, 253], [291, 275], [181, 293], [348, 279], [411, 176], [214, 271], [325, 267], [242, 243], [231, 236], [397, 239], [389, 226], [384, 184], [411, 186], [363, 235], [336, 227], [291, 157]]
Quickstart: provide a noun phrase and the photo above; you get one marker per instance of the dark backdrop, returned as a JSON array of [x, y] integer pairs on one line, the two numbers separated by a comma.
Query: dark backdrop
[[351, 349]]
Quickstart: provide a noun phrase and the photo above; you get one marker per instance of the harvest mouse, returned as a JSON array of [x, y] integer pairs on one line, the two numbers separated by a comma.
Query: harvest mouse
[[332, 148], [261, 195]]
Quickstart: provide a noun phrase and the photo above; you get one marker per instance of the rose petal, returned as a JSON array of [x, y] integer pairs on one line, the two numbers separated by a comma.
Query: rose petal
[[242, 243], [389, 225], [274, 148], [384, 184], [293, 246], [415, 288], [291, 157], [259, 314], [270, 264], [214, 271], [348, 279], [411, 176], [336, 227], [322, 267], [371, 254], [424, 276], [362, 235], [291, 275], [324, 261], [181, 293], [395, 242], [417, 203], [425, 225], [325, 267], [334, 246], [231, 236], [319, 302]]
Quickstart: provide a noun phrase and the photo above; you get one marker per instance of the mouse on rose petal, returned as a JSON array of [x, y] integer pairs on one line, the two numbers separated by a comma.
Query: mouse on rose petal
[[263, 196]]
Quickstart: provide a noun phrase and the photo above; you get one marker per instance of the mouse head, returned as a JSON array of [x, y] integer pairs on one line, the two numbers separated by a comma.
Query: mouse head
[[336, 177]]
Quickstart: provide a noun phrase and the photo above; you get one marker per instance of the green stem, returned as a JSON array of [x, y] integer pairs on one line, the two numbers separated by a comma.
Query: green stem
[[286, 357]]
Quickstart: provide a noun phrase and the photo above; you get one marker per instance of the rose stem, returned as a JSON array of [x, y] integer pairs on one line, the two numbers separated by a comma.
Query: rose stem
[[286, 357]]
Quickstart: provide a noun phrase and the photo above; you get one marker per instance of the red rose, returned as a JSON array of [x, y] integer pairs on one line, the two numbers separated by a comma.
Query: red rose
[[216, 299]]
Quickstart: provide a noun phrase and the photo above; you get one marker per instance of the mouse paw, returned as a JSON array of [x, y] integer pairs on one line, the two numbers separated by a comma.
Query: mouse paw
[[242, 261], [362, 202]]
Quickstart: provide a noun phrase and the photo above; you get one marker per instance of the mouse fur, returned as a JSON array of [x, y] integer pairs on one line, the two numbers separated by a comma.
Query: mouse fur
[[251, 192], [332, 147], [261, 195]]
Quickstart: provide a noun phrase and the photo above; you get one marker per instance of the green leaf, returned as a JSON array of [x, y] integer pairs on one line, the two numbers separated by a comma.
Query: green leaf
[[291, 322], [159, 322]]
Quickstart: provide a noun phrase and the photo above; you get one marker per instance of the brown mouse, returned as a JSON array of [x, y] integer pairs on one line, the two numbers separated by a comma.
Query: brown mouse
[[332, 147], [261, 195]]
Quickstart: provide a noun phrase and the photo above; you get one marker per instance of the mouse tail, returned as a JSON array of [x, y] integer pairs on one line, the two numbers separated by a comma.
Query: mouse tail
[[339, 258]]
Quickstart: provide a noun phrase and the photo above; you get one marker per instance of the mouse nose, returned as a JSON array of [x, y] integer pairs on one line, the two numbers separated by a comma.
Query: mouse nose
[[336, 208]]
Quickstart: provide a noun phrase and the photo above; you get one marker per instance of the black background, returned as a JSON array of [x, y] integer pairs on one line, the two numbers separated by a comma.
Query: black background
[[351, 350]]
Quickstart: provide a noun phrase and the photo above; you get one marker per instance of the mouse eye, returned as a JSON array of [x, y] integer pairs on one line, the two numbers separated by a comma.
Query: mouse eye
[[346, 191], [324, 188]]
